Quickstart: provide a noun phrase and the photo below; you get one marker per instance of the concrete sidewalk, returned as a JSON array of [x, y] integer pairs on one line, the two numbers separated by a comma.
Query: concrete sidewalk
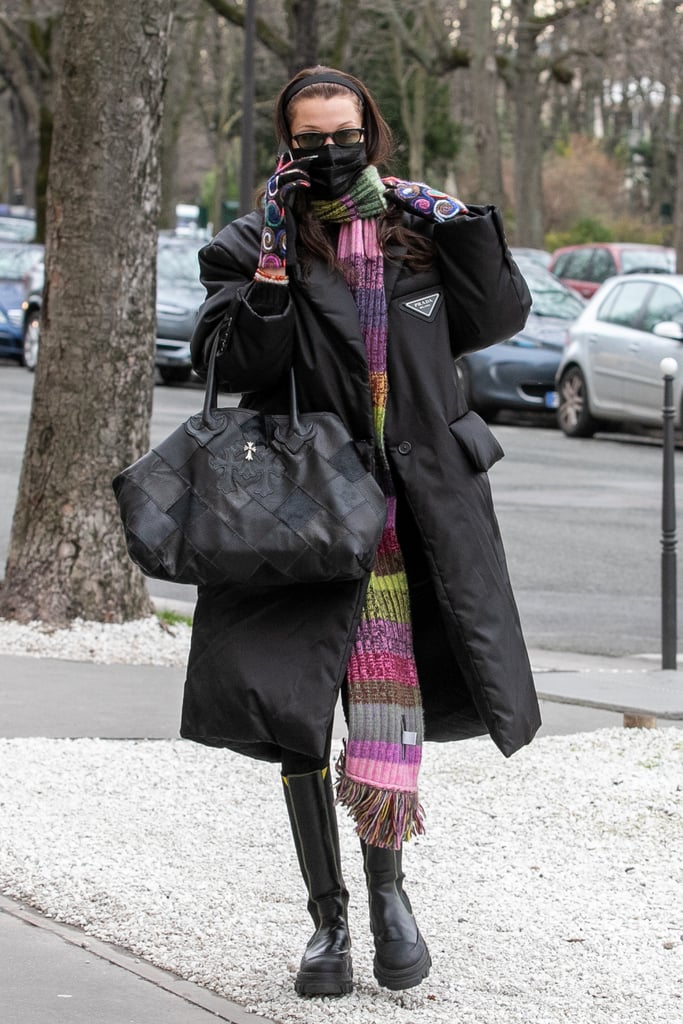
[[57, 698], [52, 972]]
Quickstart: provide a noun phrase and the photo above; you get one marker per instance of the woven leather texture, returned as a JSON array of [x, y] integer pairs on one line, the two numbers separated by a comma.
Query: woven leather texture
[[250, 501]]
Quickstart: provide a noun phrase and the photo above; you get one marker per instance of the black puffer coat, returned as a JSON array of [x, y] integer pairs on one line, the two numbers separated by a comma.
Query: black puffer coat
[[266, 665]]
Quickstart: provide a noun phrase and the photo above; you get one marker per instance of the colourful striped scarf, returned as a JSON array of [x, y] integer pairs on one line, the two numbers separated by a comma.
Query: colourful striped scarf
[[379, 767]]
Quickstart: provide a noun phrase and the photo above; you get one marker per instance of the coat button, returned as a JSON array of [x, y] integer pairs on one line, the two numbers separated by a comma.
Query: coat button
[[405, 447]]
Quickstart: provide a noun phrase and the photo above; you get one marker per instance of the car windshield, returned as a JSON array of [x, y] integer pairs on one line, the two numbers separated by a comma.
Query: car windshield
[[178, 264], [17, 229], [633, 260], [548, 296], [17, 260]]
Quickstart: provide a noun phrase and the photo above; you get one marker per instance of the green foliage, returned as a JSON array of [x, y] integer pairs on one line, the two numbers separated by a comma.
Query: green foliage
[[562, 146], [208, 189], [173, 618], [635, 229], [625, 229], [443, 136], [620, 151], [207, 198], [588, 229], [645, 149]]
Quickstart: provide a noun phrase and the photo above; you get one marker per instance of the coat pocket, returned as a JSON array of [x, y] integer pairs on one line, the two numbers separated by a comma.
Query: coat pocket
[[477, 441]]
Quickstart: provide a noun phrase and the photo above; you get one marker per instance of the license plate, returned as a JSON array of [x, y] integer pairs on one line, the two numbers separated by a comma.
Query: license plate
[[552, 400]]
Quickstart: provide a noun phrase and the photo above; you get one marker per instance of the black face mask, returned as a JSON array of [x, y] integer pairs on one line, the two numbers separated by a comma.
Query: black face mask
[[334, 170]]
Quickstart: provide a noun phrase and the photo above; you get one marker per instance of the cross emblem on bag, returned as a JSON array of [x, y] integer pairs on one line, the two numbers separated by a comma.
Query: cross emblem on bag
[[249, 465]]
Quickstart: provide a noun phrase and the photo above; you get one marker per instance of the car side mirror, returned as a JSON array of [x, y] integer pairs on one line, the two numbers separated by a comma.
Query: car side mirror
[[668, 329]]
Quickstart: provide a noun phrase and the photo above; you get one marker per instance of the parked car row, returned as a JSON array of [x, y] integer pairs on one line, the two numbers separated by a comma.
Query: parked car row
[[179, 295], [596, 363]]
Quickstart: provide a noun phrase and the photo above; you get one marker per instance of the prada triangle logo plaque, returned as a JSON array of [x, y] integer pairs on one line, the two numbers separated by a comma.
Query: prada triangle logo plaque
[[425, 307]]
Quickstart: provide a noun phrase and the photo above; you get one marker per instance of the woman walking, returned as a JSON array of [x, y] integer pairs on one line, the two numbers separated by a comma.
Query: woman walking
[[367, 287]]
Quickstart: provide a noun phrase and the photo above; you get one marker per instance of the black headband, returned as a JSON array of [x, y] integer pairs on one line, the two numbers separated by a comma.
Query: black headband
[[330, 77]]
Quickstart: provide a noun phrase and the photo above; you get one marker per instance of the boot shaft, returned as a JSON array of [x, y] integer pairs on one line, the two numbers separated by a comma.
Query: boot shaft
[[326, 967], [313, 819]]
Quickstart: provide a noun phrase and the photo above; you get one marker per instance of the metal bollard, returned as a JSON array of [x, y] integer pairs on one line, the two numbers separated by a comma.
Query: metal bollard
[[668, 367]]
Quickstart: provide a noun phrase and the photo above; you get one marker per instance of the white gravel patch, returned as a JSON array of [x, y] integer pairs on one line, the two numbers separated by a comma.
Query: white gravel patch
[[548, 887], [146, 641]]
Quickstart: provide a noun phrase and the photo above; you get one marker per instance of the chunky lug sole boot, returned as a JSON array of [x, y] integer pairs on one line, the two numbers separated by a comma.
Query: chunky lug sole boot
[[402, 959], [326, 968]]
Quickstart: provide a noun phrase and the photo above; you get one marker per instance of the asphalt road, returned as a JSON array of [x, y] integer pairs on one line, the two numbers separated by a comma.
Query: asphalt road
[[581, 521]]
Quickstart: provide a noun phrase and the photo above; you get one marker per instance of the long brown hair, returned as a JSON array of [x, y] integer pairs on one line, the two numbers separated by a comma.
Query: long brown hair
[[312, 238]]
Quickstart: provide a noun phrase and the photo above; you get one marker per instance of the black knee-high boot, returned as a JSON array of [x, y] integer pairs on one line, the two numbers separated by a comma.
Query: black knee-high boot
[[326, 964], [402, 959]]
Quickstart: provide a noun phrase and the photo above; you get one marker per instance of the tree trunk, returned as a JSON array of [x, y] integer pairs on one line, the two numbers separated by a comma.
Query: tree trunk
[[340, 55], [93, 385], [303, 15], [528, 147], [27, 149], [415, 118], [28, 49], [411, 81], [484, 113], [42, 171], [180, 91]]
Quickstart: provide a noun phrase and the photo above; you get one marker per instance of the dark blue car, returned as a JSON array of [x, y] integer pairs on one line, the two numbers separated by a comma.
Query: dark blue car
[[17, 261], [10, 336], [519, 373]]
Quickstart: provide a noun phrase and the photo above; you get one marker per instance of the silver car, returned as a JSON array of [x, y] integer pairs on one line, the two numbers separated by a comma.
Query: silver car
[[179, 296], [610, 369]]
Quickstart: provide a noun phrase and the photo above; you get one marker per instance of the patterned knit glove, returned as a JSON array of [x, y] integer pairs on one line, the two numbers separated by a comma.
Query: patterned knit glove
[[420, 199], [278, 235]]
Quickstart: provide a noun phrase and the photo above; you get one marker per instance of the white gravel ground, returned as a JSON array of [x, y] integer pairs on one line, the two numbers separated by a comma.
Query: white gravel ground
[[548, 886], [141, 642]]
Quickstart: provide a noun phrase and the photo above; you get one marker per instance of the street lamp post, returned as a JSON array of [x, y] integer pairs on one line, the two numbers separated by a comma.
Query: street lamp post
[[668, 369], [247, 168]]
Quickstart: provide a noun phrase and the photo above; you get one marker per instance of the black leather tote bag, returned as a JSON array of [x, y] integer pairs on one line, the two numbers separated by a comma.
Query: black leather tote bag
[[238, 496]]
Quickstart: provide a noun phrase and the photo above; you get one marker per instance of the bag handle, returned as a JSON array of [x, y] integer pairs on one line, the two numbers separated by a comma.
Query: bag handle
[[211, 393], [296, 433]]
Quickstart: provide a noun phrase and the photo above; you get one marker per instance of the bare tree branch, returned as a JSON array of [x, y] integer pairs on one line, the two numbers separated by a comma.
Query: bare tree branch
[[436, 58], [16, 70], [270, 38]]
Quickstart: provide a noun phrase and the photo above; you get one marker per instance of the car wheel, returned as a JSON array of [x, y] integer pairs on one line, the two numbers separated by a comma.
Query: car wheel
[[31, 341], [573, 414], [175, 374]]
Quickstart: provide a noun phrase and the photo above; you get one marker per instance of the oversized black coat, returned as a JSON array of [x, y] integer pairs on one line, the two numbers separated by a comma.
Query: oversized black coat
[[266, 665]]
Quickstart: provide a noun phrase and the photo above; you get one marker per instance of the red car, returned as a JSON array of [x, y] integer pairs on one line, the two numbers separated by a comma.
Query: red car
[[585, 267]]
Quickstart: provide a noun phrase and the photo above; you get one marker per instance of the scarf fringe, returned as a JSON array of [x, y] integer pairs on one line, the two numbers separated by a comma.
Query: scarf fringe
[[384, 817]]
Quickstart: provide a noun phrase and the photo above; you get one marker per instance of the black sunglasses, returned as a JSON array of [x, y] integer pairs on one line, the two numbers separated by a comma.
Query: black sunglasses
[[316, 140]]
